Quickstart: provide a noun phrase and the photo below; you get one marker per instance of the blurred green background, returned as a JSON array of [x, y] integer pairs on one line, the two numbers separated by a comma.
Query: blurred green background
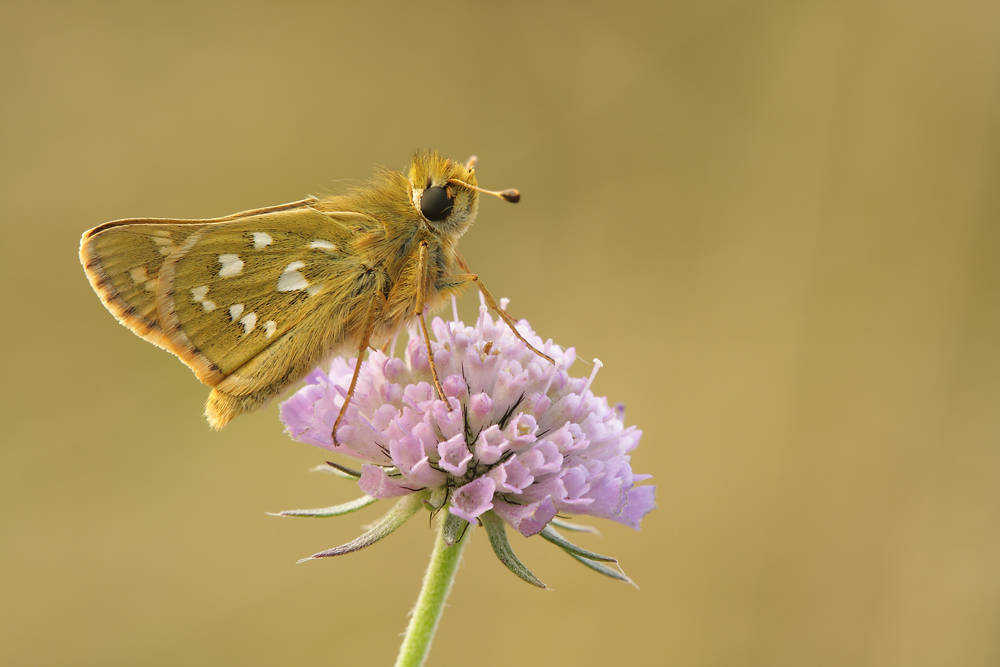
[[775, 222]]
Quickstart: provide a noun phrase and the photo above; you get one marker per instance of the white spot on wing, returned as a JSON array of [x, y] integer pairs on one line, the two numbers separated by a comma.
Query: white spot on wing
[[321, 244], [313, 290], [291, 279], [165, 243], [231, 265], [198, 295], [269, 328], [139, 275], [235, 311], [261, 240], [249, 321]]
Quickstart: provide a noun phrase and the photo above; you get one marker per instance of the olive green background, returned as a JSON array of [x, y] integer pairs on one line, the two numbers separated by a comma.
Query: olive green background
[[778, 225]]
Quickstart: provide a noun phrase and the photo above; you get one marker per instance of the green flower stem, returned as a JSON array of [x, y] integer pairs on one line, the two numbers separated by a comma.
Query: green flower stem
[[430, 605]]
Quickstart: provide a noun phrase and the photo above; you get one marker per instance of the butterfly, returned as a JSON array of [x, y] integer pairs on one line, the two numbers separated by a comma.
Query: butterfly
[[254, 301]]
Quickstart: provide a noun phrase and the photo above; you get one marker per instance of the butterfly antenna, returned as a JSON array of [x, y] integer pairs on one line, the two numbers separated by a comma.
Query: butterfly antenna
[[511, 195]]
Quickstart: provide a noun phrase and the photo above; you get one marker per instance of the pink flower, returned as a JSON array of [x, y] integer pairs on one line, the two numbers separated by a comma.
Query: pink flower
[[518, 436]]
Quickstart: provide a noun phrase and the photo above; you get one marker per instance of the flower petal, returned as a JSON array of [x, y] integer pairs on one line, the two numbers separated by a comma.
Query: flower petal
[[455, 455], [527, 519], [377, 483], [473, 499]]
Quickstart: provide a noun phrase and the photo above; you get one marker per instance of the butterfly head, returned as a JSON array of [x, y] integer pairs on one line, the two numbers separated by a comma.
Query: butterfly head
[[445, 193]]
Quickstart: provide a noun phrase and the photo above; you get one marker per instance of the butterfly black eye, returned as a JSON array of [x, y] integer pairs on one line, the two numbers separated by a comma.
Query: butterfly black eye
[[436, 204]]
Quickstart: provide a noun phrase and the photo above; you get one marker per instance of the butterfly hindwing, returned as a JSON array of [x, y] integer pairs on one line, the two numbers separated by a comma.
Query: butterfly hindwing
[[123, 262]]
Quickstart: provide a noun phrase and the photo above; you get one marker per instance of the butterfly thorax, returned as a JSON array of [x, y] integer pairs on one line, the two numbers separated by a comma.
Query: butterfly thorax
[[387, 246]]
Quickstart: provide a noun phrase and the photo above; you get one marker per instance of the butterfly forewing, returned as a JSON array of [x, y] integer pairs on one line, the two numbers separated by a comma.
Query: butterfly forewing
[[240, 286]]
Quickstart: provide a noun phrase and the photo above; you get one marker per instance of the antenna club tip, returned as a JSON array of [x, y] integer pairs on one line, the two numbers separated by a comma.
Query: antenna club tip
[[513, 196]]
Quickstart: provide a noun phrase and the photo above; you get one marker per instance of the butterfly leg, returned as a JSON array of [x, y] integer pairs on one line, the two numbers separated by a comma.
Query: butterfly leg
[[492, 303], [354, 379], [421, 282]]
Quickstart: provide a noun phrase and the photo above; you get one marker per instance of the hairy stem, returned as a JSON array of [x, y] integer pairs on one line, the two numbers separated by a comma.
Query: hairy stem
[[430, 605]]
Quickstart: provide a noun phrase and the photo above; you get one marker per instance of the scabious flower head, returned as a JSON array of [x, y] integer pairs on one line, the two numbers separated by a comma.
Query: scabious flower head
[[518, 435]]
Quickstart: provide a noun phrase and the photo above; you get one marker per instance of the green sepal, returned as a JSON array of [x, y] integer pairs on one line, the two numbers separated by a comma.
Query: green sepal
[[338, 470], [336, 510], [586, 557], [453, 530], [501, 547], [438, 497], [407, 506], [603, 569], [555, 538], [573, 527]]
